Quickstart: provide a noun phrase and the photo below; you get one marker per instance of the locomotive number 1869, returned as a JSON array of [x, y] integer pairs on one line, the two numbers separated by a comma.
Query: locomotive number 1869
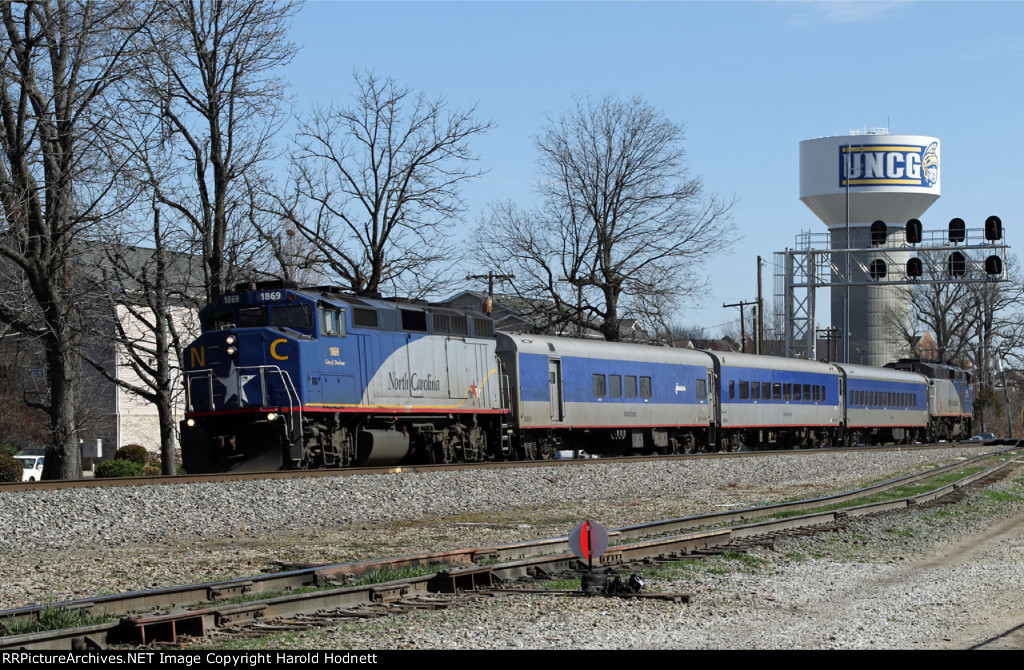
[[269, 295]]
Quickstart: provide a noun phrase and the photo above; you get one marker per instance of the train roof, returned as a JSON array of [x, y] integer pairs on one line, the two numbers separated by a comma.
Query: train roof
[[753, 361], [882, 374], [550, 345]]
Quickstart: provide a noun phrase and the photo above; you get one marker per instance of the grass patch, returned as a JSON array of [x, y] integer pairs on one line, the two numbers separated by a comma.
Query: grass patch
[[744, 558], [54, 618], [906, 491], [685, 568], [390, 574], [562, 584], [1003, 496]]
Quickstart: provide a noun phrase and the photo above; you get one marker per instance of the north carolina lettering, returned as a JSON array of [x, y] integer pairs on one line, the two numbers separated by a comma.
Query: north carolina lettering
[[881, 164], [413, 382]]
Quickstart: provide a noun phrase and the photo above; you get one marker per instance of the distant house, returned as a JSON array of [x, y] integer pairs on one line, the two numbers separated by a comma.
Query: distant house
[[924, 348]]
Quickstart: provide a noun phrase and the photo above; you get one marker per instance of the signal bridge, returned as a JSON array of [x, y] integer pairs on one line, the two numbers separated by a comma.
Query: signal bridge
[[905, 257]]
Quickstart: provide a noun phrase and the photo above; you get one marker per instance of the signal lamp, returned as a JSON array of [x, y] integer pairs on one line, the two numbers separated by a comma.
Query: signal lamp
[[957, 231], [957, 264], [878, 233], [914, 267], [877, 269], [994, 265], [993, 228], [914, 234]]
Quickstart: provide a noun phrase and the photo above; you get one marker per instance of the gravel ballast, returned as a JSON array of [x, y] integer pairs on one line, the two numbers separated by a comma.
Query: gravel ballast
[[81, 542]]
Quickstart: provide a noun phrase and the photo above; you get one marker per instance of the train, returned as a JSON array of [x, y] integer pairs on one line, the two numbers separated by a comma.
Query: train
[[284, 376]]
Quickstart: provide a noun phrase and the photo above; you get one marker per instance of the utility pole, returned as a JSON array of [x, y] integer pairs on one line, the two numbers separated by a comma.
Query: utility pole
[[490, 277], [743, 328], [832, 336], [759, 340]]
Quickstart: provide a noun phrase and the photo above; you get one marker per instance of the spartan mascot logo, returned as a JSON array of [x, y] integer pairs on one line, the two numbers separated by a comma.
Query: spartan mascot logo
[[930, 163], [889, 165]]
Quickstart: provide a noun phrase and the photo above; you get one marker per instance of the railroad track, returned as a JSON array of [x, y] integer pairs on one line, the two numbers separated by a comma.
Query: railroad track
[[344, 472], [303, 597]]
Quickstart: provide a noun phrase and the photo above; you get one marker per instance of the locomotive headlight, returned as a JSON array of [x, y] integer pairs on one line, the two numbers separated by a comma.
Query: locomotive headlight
[[272, 416], [190, 422], [231, 351], [229, 340]]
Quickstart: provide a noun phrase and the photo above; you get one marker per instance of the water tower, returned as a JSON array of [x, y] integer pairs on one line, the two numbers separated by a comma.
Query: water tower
[[850, 181]]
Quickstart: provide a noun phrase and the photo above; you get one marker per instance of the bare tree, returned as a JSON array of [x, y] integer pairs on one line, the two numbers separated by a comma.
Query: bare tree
[[621, 217], [375, 187], [57, 179], [215, 85], [149, 313]]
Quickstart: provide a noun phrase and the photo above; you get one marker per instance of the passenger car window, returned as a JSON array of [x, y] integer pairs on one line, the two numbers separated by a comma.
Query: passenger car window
[[615, 386], [645, 387], [630, 386]]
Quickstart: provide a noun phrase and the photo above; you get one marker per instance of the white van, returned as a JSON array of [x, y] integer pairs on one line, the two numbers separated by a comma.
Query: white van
[[33, 465]]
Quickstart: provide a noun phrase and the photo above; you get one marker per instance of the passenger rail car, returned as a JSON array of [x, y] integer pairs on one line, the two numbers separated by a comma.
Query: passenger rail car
[[885, 405], [607, 397], [778, 402], [311, 377]]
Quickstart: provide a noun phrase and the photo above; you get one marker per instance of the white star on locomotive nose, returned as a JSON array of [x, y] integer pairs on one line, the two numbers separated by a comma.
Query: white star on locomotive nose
[[234, 382]]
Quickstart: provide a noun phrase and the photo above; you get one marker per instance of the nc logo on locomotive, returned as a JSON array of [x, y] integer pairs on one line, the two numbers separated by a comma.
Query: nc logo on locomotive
[[883, 164]]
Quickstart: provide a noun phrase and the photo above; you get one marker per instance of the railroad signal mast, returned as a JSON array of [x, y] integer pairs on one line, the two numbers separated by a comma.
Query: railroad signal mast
[[954, 255]]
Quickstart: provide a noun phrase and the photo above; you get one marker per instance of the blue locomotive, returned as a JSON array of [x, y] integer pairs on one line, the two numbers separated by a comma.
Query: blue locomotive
[[313, 377]]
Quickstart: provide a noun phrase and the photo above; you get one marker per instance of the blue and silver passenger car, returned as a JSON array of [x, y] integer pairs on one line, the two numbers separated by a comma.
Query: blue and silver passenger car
[[768, 401], [606, 397]]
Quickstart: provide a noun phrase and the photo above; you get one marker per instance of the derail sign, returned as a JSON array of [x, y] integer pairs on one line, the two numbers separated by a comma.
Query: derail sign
[[889, 164]]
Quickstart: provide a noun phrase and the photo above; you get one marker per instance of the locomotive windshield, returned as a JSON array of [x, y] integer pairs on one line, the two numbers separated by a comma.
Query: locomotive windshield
[[291, 316], [252, 317], [219, 320]]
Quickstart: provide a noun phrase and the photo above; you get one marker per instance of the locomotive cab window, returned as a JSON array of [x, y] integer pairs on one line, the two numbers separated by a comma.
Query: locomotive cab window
[[332, 322], [219, 321], [252, 317], [291, 316]]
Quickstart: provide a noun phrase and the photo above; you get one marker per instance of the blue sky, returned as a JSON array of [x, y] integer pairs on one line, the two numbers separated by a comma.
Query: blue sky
[[749, 80]]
